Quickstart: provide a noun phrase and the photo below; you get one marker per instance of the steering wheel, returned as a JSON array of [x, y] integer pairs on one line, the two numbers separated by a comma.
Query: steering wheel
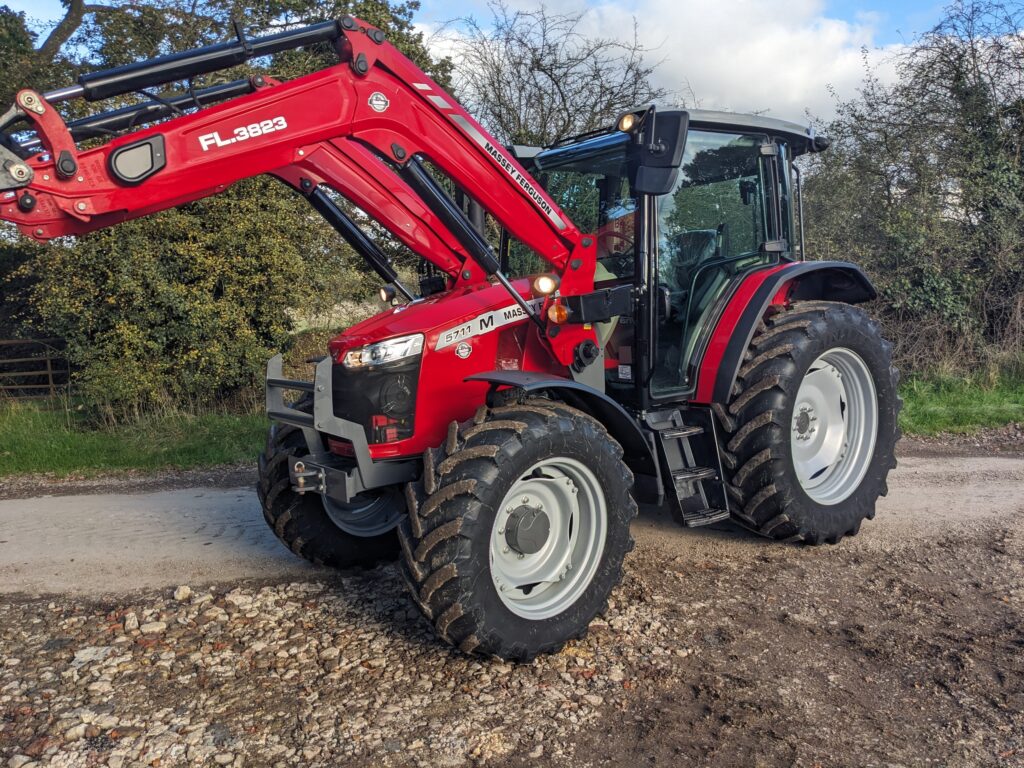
[[623, 257]]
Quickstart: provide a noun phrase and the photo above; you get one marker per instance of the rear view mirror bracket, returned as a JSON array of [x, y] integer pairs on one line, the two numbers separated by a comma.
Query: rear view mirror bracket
[[658, 152]]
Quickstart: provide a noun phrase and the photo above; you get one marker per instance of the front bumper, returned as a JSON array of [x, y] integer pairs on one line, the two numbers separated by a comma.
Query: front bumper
[[321, 471]]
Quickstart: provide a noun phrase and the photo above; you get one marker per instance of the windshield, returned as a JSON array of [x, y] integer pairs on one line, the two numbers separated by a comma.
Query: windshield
[[589, 180]]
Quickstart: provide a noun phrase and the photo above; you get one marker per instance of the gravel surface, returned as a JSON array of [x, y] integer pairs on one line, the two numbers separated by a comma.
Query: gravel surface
[[298, 674], [902, 647]]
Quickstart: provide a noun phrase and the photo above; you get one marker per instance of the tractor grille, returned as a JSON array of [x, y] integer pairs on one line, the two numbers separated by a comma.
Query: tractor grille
[[382, 400]]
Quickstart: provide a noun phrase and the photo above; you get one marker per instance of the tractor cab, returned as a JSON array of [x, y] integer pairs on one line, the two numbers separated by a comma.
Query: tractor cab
[[686, 240]]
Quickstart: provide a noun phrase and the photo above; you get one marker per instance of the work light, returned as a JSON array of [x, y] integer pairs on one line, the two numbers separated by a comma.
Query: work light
[[544, 285]]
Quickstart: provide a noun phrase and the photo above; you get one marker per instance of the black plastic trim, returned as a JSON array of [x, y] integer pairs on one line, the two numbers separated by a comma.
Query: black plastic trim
[[159, 155], [616, 419], [601, 305]]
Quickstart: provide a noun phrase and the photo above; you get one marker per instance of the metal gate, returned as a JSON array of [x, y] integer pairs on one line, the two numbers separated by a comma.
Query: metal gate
[[33, 368]]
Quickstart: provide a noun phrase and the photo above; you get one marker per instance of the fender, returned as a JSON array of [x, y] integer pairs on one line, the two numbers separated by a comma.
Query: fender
[[798, 281], [623, 427]]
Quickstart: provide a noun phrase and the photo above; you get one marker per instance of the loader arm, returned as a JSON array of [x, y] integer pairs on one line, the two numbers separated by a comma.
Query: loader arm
[[369, 127]]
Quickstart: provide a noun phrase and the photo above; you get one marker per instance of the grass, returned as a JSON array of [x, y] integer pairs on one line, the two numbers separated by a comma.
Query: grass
[[960, 404], [37, 439]]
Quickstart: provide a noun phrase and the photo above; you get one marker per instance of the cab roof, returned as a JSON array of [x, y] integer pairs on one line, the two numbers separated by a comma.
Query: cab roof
[[800, 137]]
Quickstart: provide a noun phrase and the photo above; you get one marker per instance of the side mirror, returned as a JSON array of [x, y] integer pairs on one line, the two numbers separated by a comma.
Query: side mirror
[[658, 152]]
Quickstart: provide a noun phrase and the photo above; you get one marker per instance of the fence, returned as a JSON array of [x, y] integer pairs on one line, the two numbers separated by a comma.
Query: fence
[[32, 368]]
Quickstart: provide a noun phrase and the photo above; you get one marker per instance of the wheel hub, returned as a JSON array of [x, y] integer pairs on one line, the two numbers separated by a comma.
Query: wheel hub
[[548, 537], [527, 530], [802, 423]]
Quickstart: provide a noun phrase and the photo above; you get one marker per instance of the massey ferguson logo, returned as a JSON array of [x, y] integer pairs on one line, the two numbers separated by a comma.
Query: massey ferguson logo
[[378, 102]]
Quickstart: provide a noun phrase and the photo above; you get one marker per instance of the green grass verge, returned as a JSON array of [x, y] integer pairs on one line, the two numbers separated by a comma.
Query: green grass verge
[[963, 405], [36, 439]]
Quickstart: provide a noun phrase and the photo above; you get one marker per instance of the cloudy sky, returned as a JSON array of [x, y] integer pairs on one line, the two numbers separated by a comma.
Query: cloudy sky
[[780, 57]]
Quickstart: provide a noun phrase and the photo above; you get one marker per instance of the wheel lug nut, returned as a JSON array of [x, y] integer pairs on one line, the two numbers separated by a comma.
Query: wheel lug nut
[[505, 550], [521, 555], [526, 499]]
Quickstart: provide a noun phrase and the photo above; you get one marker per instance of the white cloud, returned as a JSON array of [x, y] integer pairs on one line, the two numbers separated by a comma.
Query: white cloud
[[780, 58]]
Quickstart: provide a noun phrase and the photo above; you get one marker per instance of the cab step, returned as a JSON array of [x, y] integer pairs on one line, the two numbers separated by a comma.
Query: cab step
[[689, 464], [692, 474], [704, 517]]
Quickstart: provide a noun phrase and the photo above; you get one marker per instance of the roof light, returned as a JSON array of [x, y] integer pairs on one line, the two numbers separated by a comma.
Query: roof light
[[627, 122]]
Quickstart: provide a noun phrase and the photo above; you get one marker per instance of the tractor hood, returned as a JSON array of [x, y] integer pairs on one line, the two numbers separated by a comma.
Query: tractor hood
[[463, 314]]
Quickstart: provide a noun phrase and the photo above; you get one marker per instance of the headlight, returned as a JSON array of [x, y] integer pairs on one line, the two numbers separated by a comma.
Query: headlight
[[384, 352]]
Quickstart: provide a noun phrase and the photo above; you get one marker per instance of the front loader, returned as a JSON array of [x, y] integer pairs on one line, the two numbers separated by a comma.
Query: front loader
[[646, 329]]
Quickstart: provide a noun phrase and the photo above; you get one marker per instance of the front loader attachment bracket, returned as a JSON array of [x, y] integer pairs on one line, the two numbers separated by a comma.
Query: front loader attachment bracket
[[321, 471]]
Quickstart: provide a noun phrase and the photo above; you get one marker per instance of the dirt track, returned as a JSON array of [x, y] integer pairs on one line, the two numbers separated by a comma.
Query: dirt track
[[904, 646]]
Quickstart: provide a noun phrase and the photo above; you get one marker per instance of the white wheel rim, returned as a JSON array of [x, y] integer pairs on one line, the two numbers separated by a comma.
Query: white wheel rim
[[365, 518], [834, 426], [539, 585]]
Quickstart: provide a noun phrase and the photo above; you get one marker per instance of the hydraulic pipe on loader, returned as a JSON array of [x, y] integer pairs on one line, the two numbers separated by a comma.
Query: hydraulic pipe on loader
[[126, 118], [95, 86]]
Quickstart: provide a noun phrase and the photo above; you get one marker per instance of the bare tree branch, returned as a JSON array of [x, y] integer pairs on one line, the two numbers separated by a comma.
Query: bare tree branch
[[534, 76], [66, 27]]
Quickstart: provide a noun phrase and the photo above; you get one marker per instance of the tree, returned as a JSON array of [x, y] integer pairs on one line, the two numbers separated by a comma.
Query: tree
[[925, 186], [532, 77]]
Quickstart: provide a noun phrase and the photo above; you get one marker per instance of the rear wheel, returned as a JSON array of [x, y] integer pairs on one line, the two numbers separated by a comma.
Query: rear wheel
[[812, 425], [517, 531], [312, 526]]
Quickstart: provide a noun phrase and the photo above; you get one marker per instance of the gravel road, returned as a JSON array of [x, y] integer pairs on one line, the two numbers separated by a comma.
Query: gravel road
[[169, 628]]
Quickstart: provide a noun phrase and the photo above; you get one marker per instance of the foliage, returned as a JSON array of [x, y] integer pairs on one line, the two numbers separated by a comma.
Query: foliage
[[924, 186], [34, 439], [178, 308]]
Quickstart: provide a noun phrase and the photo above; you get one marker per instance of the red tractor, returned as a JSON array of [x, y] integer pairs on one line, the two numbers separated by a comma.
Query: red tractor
[[647, 328]]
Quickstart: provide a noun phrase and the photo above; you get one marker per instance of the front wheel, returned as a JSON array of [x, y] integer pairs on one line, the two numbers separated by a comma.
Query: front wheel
[[811, 427], [315, 527], [517, 532]]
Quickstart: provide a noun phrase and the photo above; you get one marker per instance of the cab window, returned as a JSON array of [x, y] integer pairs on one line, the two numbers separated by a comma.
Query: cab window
[[593, 190], [712, 226]]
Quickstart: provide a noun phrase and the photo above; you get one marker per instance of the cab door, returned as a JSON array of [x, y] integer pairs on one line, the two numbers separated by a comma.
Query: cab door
[[727, 215]]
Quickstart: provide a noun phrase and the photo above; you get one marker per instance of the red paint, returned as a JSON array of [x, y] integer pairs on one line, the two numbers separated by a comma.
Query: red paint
[[725, 330], [443, 395]]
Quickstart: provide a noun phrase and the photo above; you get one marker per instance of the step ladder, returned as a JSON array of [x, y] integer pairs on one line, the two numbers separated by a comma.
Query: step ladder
[[690, 465]]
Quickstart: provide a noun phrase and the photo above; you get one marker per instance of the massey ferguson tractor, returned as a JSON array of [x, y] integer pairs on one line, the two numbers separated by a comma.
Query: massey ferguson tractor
[[646, 329]]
